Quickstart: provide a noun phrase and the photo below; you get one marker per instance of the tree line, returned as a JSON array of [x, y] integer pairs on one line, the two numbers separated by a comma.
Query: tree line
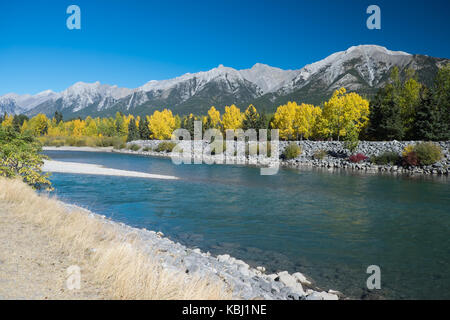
[[403, 109]]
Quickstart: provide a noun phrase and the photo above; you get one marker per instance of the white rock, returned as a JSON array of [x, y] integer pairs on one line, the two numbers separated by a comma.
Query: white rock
[[322, 296], [291, 282], [261, 269], [241, 263], [244, 271], [301, 278], [223, 258], [334, 292], [272, 276]]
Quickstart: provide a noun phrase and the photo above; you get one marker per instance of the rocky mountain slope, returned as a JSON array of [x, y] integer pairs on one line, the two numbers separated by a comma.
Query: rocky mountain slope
[[362, 69]]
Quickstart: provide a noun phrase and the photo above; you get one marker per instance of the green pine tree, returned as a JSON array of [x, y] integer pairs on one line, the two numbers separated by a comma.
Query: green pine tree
[[58, 116], [188, 124], [386, 121], [18, 121], [144, 130], [133, 132]]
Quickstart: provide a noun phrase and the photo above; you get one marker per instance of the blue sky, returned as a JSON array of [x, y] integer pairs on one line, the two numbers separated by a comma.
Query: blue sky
[[131, 42]]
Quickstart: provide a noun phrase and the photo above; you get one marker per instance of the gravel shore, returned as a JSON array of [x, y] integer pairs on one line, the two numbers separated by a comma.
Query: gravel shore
[[33, 266], [246, 282], [34, 258], [336, 157]]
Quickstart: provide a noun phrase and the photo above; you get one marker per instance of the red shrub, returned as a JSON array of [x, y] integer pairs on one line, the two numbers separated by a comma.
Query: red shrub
[[356, 158], [410, 159]]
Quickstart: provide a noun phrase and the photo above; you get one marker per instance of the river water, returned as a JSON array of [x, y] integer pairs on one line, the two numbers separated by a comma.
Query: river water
[[329, 226]]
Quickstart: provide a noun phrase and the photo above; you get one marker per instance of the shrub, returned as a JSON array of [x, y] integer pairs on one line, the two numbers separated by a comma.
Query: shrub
[[356, 158], [388, 157], [351, 145], [20, 158], [81, 142], [109, 142], [410, 159], [319, 154], [147, 149], [409, 148], [292, 151], [165, 146], [119, 146], [58, 143], [52, 141], [134, 147], [71, 141], [428, 153]]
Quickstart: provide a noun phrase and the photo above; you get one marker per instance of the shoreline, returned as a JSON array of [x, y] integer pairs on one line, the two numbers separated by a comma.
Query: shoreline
[[330, 164], [243, 281], [248, 283]]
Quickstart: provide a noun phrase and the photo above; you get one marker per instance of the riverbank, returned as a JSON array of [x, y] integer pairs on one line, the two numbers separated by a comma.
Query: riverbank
[[85, 149], [335, 156], [140, 264]]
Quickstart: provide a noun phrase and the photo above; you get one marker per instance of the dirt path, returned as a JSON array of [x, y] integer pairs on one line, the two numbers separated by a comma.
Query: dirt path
[[33, 266]]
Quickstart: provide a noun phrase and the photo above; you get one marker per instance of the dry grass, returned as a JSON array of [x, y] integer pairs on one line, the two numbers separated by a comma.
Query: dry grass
[[117, 259]]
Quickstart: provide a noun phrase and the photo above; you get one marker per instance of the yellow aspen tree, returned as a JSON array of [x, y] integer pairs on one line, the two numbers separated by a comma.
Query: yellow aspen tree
[[343, 112], [232, 118], [123, 125], [24, 127], [177, 122], [283, 120], [306, 117], [79, 128], [162, 124], [91, 127], [68, 128], [39, 124], [214, 116], [7, 122], [53, 131]]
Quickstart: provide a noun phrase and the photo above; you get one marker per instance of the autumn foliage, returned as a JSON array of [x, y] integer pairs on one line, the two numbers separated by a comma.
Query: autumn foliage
[[343, 116]]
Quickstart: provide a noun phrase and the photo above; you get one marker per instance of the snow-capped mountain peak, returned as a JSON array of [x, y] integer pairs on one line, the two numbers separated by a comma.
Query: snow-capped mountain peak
[[362, 68], [268, 78], [201, 78], [22, 103], [370, 61], [81, 95]]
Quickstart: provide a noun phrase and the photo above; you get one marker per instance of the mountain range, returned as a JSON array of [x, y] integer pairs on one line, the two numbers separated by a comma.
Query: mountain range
[[363, 69]]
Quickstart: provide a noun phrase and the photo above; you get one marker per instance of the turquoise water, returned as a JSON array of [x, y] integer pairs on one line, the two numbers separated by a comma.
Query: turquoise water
[[330, 226]]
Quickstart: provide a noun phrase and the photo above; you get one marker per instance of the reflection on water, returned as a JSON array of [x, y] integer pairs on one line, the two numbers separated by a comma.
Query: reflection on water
[[331, 226]]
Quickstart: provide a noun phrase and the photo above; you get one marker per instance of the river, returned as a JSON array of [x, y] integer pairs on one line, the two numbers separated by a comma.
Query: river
[[329, 226]]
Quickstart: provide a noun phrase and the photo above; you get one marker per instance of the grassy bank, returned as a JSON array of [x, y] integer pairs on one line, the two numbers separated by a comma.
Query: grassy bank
[[118, 260], [83, 141]]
